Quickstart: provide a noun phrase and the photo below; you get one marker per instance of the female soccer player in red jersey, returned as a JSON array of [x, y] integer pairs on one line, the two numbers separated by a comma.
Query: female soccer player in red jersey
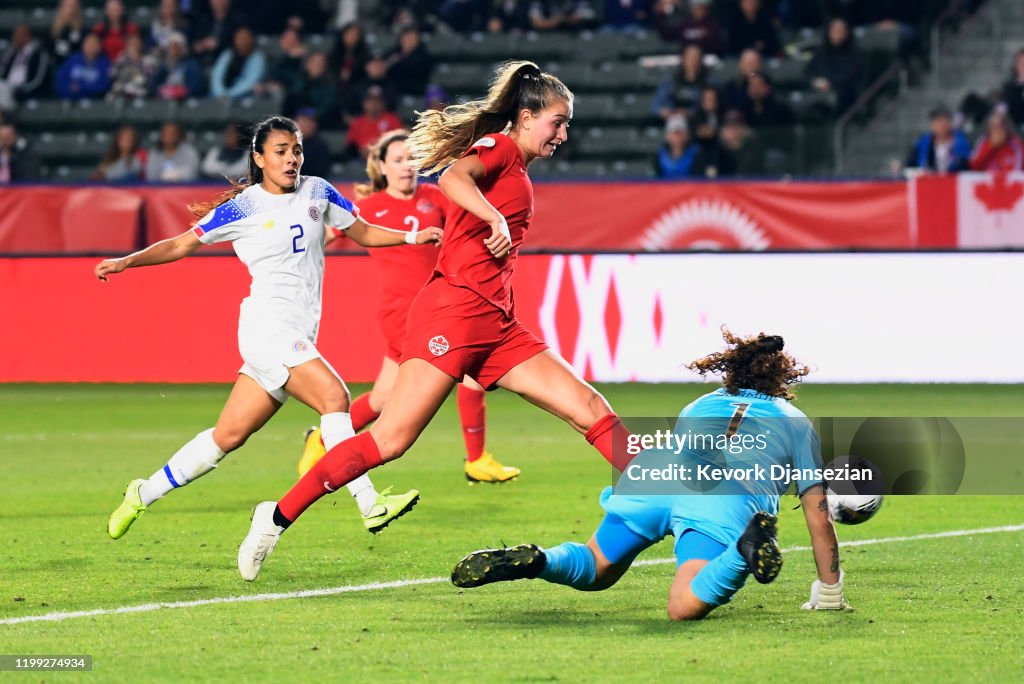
[[463, 321], [395, 200], [275, 222]]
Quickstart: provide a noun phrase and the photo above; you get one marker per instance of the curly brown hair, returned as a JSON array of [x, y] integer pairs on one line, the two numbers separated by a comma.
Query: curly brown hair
[[756, 363]]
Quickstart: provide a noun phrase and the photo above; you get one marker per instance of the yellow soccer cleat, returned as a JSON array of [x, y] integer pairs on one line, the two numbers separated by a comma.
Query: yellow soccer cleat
[[312, 452], [130, 510], [487, 469]]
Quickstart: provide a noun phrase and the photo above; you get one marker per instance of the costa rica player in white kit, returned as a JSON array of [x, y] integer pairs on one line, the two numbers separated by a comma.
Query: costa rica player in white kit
[[275, 223]]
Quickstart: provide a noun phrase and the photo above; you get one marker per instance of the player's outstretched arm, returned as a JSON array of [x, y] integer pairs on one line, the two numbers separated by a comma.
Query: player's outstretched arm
[[370, 235], [459, 182], [827, 590], [162, 252]]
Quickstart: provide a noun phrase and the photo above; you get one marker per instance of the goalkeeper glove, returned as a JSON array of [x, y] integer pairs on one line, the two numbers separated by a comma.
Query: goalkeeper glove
[[827, 596]]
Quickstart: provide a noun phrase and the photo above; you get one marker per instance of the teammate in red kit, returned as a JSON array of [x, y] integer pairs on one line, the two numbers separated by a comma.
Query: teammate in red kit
[[463, 321], [394, 199]]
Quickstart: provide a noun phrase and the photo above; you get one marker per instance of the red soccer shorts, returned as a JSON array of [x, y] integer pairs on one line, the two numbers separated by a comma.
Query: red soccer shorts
[[458, 332], [392, 325]]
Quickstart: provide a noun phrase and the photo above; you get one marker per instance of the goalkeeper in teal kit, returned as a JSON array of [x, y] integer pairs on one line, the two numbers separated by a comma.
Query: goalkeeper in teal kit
[[721, 511]]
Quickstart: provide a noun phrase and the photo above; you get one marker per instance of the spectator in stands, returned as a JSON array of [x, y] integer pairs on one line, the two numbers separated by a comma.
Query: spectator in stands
[[509, 15], [177, 76], [132, 73], [796, 14], [315, 154], [944, 149], [23, 68], [707, 120], [352, 97], [350, 55], [1013, 90], [680, 94], [67, 30], [739, 151], [561, 15], [238, 70], [888, 15], [436, 98], [114, 29], [18, 163], [837, 65], [679, 157], [86, 74], [699, 27], [314, 89], [228, 160], [752, 27], [735, 91], [125, 159], [374, 121], [173, 160], [463, 15], [409, 64], [627, 15], [1000, 149], [213, 32], [286, 70], [763, 109], [167, 22]]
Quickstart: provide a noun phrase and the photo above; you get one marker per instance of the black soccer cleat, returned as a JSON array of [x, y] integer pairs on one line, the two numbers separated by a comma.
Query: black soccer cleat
[[499, 565], [759, 547]]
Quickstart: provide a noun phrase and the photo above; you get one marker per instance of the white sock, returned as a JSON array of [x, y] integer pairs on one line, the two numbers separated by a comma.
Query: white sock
[[335, 428], [192, 461]]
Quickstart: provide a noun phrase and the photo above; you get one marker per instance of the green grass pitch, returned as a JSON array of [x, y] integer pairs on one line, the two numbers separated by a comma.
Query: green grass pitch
[[944, 609]]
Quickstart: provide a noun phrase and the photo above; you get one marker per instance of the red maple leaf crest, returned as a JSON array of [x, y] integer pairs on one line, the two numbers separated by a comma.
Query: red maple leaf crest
[[999, 195]]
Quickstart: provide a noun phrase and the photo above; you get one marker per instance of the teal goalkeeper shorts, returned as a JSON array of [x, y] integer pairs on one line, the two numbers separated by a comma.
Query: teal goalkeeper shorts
[[631, 524]]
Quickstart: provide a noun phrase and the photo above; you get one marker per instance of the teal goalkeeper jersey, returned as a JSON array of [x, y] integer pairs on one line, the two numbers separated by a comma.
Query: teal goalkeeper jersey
[[770, 441]]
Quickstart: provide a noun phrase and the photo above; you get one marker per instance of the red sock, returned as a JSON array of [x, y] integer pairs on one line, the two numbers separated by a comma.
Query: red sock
[[337, 468], [362, 414], [608, 435], [473, 414]]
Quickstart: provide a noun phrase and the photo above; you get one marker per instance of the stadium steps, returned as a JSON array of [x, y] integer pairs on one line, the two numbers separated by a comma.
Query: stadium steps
[[976, 59]]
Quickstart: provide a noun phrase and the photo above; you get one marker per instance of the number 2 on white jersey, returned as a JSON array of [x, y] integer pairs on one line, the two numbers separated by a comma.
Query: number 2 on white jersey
[[295, 239]]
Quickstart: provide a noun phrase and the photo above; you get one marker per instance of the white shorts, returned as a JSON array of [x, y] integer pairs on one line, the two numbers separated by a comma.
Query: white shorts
[[269, 351]]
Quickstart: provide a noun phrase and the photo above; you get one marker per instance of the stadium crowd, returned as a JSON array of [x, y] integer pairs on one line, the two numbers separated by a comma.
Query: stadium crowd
[[217, 49]]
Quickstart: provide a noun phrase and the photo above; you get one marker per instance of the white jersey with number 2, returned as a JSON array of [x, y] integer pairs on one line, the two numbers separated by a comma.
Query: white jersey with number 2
[[280, 239]]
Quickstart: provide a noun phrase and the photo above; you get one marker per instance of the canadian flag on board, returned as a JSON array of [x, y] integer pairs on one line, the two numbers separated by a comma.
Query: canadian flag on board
[[990, 209]]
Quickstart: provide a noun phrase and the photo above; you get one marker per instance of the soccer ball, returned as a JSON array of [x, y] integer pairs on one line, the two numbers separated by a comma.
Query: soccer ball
[[853, 509]]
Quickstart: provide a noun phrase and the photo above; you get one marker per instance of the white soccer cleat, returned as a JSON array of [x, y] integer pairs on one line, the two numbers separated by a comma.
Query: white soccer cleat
[[260, 542]]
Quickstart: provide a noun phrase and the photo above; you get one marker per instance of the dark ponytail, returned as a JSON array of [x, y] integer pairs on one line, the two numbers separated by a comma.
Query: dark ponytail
[[254, 175], [756, 363]]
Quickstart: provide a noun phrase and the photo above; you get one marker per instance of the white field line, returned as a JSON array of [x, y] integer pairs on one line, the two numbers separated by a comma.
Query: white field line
[[397, 584]]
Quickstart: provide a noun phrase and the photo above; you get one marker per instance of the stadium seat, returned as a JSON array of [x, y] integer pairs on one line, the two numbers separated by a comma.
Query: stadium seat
[[871, 39], [255, 108], [198, 112], [786, 73], [462, 77], [95, 114], [149, 112], [335, 141], [36, 114], [633, 169]]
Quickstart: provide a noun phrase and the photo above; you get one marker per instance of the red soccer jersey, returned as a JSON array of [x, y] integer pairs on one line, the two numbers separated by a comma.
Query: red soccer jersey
[[464, 260], [364, 131], [404, 270]]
